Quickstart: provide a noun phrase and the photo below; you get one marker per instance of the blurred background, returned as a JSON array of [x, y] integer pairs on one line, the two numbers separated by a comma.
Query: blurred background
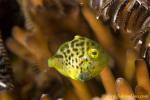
[[33, 30]]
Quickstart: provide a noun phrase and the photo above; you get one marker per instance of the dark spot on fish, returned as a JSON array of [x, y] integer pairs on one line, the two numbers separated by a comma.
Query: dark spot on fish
[[80, 63], [86, 59], [77, 53], [68, 51], [81, 69], [66, 60], [65, 54], [82, 43], [72, 60], [81, 55], [87, 68], [94, 53], [88, 47], [73, 43], [83, 50], [66, 63], [76, 60], [58, 56], [88, 43], [72, 66], [64, 47], [69, 58], [77, 44], [72, 55], [75, 49], [92, 43]]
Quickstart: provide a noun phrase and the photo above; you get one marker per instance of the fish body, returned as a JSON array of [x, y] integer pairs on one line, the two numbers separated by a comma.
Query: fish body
[[79, 59]]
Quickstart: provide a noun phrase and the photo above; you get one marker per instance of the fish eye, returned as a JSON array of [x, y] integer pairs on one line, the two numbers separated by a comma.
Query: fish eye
[[93, 53]]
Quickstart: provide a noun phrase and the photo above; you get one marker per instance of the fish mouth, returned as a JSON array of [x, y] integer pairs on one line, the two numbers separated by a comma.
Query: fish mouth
[[84, 76]]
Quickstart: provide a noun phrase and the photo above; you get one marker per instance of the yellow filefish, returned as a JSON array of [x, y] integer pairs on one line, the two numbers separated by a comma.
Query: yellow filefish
[[79, 59]]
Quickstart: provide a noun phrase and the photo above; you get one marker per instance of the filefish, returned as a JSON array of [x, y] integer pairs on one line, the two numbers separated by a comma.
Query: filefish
[[79, 59]]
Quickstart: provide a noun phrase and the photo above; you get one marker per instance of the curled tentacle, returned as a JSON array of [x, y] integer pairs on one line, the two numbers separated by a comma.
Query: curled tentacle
[[130, 17], [6, 81]]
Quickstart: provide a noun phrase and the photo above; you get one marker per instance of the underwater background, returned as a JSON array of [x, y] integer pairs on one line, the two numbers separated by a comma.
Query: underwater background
[[33, 30]]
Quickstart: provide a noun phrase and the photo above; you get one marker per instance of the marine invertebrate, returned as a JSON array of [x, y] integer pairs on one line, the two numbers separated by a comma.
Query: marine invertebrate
[[6, 79], [130, 17]]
